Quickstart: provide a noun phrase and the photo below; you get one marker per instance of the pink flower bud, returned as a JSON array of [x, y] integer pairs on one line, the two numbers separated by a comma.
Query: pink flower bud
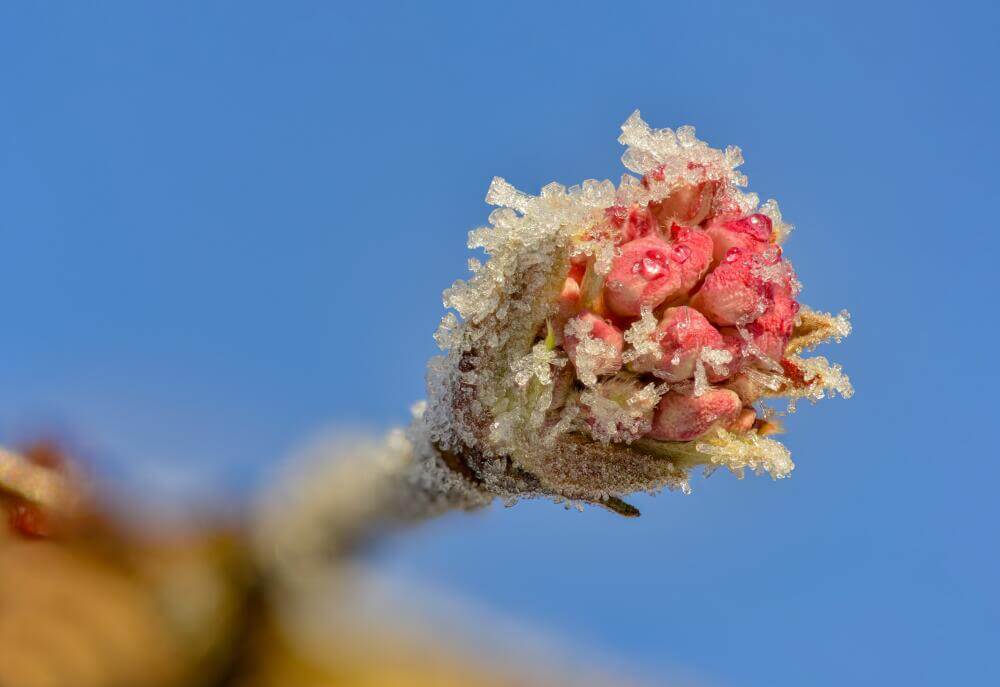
[[691, 251], [772, 330], [644, 274], [632, 223], [682, 334], [731, 294], [749, 234], [680, 417], [688, 205], [594, 346]]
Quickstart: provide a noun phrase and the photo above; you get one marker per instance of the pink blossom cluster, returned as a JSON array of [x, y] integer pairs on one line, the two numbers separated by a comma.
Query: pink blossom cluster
[[698, 294]]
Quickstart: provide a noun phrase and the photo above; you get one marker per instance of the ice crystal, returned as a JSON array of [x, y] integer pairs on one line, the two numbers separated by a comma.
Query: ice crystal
[[738, 452], [620, 410], [536, 365], [590, 353], [640, 337]]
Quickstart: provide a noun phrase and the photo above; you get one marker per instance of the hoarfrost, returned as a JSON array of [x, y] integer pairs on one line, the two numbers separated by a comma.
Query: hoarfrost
[[621, 410], [591, 353], [740, 451], [640, 336]]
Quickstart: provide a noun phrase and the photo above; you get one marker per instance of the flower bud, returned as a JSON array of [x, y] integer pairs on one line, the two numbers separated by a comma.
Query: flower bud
[[594, 346], [680, 417], [731, 294], [750, 234], [644, 274], [691, 251], [682, 334], [688, 205], [632, 223], [772, 330]]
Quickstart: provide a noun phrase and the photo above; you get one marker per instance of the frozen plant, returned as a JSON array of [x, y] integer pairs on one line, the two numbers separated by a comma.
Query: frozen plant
[[616, 337], [619, 335]]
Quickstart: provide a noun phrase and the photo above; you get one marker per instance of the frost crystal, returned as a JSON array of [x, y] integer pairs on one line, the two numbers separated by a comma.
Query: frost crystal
[[591, 352], [750, 451], [640, 337]]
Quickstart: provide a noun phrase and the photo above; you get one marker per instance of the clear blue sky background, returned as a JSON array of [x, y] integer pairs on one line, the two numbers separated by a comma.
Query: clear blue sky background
[[225, 225]]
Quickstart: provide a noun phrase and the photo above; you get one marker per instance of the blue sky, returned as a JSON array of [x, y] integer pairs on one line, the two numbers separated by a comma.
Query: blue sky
[[227, 225]]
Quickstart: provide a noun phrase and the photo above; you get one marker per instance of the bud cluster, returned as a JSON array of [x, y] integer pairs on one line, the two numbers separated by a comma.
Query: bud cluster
[[618, 335]]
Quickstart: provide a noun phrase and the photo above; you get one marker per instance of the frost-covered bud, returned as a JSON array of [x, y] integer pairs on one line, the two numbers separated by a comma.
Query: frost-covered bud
[[594, 346], [679, 276], [732, 294], [749, 234], [691, 251], [772, 330], [644, 274], [733, 344], [682, 334], [632, 223], [619, 409], [687, 205], [680, 417]]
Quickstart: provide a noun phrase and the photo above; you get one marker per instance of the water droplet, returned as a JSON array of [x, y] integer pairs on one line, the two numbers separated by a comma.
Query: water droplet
[[681, 253], [758, 226], [732, 254], [650, 267]]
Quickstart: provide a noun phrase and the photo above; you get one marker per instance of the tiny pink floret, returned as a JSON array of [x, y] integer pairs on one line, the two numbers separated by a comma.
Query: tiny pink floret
[[749, 234], [680, 417], [644, 274], [682, 334], [772, 330], [691, 252], [731, 294]]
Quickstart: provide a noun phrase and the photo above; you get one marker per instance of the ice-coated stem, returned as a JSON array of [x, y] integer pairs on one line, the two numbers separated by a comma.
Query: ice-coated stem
[[352, 492]]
